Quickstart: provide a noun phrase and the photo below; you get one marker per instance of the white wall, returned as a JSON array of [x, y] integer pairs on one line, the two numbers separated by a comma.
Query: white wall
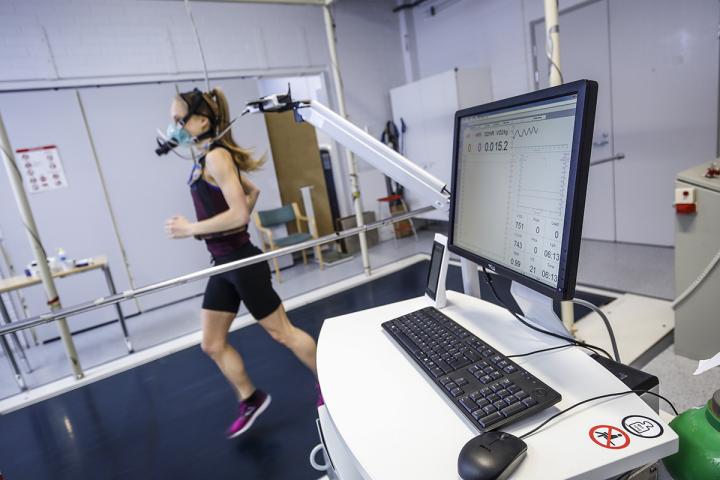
[[71, 42], [370, 53], [664, 81], [76, 39]]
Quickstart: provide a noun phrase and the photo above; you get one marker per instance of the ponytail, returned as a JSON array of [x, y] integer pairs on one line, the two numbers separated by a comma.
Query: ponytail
[[241, 156]]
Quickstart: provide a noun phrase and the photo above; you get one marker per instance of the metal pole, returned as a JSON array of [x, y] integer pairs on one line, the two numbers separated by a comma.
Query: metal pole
[[351, 163], [200, 274], [19, 296], [40, 255], [552, 41], [118, 308], [106, 194], [552, 47], [13, 363], [5, 315]]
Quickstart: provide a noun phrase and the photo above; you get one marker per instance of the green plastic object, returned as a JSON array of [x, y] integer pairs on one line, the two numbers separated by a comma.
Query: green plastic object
[[699, 455]]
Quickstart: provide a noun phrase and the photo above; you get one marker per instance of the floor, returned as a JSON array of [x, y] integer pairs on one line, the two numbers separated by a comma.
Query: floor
[[629, 268]]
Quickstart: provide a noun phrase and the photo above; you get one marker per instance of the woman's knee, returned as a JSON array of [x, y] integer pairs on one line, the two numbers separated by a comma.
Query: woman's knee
[[213, 347]]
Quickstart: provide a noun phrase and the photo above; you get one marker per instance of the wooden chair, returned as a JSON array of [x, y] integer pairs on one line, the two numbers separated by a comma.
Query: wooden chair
[[266, 219]]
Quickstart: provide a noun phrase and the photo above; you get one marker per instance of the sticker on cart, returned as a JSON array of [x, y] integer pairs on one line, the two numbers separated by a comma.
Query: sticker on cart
[[610, 437], [643, 427], [41, 168]]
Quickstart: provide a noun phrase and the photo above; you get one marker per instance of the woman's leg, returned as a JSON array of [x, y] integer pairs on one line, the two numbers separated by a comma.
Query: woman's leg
[[299, 342], [215, 327]]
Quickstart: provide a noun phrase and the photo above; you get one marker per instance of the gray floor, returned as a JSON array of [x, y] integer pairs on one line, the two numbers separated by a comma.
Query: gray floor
[[678, 383], [642, 269]]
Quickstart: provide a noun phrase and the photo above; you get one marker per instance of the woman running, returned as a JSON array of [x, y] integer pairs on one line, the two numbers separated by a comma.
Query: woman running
[[224, 197]]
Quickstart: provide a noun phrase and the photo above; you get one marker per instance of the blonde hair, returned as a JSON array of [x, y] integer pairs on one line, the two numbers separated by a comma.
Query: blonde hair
[[216, 108]]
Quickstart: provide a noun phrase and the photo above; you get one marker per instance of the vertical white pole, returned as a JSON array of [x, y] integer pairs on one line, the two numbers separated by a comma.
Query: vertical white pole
[[552, 42], [40, 256], [351, 163]]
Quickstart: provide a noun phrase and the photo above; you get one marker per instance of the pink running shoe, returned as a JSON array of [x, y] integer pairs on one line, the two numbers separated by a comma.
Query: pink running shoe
[[248, 412]]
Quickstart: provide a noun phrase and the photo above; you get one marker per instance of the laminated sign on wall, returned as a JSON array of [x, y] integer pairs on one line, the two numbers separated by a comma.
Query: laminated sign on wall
[[41, 168]]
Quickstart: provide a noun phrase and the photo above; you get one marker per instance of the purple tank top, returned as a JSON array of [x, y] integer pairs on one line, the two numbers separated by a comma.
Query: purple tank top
[[210, 201]]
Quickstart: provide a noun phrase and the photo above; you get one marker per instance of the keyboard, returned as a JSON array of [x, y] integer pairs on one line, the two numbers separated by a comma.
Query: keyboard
[[488, 388]]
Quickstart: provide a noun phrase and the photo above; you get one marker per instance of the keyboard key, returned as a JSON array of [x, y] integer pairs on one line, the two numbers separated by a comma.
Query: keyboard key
[[510, 369], [513, 389], [456, 392], [521, 394], [485, 391], [461, 381], [473, 368], [503, 393], [495, 375], [476, 395], [469, 404], [488, 370], [472, 355], [493, 397], [529, 402], [505, 382], [485, 379], [482, 403], [478, 414], [514, 408], [500, 404], [450, 385], [457, 363], [496, 387], [445, 380], [445, 367], [491, 419], [488, 409], [437, 372]]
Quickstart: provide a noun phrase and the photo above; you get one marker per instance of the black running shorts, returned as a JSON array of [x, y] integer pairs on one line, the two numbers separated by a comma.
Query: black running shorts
[[251, 285]]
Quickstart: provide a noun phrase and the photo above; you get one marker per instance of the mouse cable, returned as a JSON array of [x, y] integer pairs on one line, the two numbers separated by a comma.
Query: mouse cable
[[561, 412], [572, 341]]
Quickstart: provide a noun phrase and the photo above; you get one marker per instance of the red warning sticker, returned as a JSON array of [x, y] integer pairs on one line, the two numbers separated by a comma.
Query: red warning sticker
[[610, 437]]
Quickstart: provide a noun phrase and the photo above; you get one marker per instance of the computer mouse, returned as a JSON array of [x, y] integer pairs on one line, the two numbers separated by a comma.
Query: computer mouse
[[490, 456]]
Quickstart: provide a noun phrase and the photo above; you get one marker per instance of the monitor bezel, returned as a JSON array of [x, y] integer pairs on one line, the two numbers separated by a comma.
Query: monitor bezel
[[586, 91]]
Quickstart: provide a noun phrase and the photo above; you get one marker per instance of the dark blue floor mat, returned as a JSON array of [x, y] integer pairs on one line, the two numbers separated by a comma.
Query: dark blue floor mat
[[165, 419]]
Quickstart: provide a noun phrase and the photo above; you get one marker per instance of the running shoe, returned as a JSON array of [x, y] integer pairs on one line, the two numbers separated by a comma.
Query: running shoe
[[248, 412]]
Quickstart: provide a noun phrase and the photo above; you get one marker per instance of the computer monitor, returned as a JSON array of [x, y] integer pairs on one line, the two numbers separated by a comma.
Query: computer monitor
[[520, 169]]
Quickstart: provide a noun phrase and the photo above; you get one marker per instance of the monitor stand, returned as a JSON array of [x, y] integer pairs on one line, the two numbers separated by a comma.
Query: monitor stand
[[537, 308], [470, 277]]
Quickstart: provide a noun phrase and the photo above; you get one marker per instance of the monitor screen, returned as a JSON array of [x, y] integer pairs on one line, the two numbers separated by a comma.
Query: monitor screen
[[514, 181]]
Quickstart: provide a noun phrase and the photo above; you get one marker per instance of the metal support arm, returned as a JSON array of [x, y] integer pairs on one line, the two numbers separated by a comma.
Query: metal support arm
[[362, 144]]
